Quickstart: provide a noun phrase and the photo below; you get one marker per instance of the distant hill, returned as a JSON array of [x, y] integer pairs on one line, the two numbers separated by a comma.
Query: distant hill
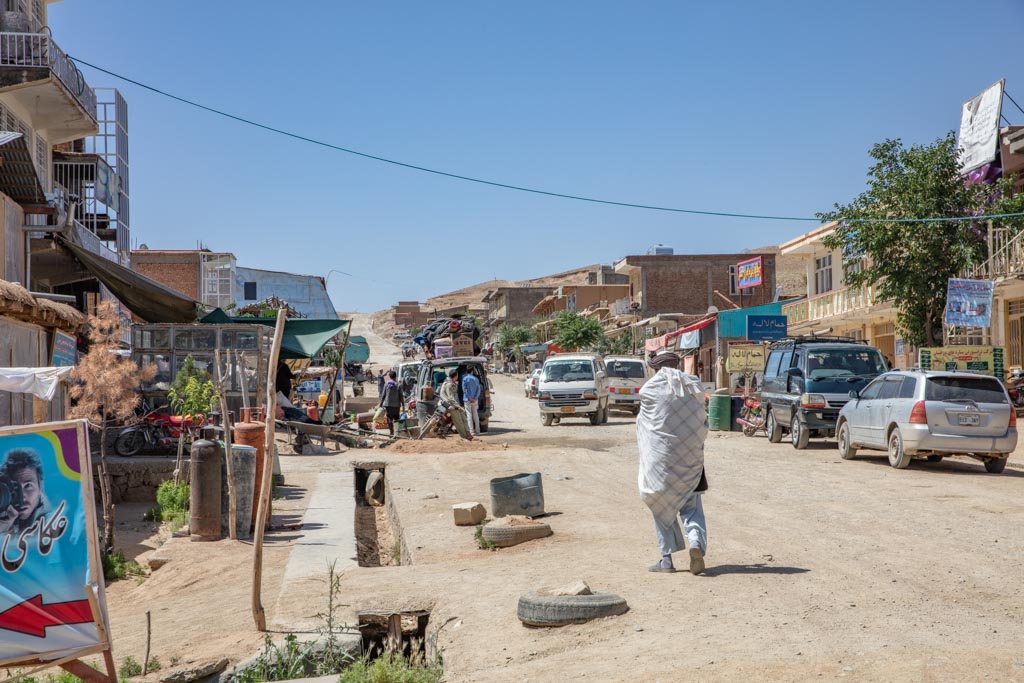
[[475, 293]]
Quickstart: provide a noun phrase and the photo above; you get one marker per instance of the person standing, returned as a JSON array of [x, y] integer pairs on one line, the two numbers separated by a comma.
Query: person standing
[[471, 398], [283, 380], [380, 382], [670, 433], [391, 400], [450, 394]]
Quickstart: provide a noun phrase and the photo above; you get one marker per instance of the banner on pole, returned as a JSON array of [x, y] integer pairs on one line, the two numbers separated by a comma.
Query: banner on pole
[[969, 302]]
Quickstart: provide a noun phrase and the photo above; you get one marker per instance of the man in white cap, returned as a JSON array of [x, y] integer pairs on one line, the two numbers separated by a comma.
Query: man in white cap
[[670, 433]]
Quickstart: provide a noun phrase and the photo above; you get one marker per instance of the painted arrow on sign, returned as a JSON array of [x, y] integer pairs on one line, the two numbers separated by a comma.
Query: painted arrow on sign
[[31, 617]]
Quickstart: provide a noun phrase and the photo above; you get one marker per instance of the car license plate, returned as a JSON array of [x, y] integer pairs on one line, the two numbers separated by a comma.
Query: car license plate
[[969, 420], [625, 391], [568, 409]]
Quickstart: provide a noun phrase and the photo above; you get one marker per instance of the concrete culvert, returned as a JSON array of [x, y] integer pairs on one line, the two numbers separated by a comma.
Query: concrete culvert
[[560, 610]]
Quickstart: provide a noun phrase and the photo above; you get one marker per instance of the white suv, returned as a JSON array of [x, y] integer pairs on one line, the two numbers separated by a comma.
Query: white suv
[[573, 385], [626, 376]]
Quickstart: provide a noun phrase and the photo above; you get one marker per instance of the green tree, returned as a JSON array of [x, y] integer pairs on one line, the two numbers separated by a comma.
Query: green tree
[[192, 393], [621, 345], [574, 331], [910, 263], [513, 336]]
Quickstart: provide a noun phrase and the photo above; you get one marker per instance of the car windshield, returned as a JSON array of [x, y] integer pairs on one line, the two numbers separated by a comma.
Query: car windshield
[[965, 389], [825, 363], [625, 369], [568, 371]]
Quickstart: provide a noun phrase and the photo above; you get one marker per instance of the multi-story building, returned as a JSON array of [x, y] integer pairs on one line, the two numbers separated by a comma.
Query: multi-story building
[[513, 305], [215, 280], [408, 314], [691, 284]]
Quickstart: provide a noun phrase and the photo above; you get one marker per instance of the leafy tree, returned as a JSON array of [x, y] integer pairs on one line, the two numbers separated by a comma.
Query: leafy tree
[[574, 331], [621, 345], [192, 393], [910, 263], [106, 388], [513, 336]]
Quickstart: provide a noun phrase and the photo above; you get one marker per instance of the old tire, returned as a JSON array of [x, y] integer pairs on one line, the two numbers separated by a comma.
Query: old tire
[[898, 456], [846, 449], [506, 536], [560, 610], [774, 430], [995, 465], [799, 434], [128, 444], [373, 491], [548, 418]]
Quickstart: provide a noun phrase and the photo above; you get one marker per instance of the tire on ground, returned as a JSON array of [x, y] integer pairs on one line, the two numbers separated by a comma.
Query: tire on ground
[[506, 536], [560, 610]]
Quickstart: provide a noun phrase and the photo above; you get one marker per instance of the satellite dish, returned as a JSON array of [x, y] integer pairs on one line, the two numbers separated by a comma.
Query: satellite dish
[[143, 247], [712, 310]]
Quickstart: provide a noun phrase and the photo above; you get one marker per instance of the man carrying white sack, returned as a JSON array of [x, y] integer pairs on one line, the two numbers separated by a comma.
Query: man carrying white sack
[[670, 433]]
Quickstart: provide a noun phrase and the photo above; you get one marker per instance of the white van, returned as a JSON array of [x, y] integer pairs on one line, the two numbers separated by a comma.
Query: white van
[[626, 376], [573, 385]]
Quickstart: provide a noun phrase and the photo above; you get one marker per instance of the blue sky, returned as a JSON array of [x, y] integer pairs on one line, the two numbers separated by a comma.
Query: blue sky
[[748, 107]]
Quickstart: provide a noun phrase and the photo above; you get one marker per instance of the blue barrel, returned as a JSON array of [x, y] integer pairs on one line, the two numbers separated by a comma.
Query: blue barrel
[[719, 412], [520, 494]]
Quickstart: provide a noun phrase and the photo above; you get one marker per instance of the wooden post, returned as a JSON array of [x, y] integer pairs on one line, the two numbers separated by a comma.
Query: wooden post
[[334, 381], [232, 502], [259, 615], [393, 641], [145, 659]]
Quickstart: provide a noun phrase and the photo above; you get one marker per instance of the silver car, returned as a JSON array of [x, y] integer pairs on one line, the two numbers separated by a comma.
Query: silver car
[[917, 414]]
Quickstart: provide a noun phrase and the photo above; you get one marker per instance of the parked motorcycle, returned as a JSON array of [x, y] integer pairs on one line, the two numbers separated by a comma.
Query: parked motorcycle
[[156, 430], [1015, 388], [753, 417]]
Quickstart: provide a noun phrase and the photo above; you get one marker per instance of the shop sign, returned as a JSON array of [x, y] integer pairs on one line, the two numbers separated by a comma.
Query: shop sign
[[52, 602], [749, 273], [969, 303], [985, 360], [767, 327], [745, 357], [65, 350]]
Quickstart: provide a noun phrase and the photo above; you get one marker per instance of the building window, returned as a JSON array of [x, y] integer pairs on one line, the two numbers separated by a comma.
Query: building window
[[823, 274], [733, 289], [851, 267], [250, 291]]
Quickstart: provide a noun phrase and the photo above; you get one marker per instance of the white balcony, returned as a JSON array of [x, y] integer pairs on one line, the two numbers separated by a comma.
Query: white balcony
[[848, 303]]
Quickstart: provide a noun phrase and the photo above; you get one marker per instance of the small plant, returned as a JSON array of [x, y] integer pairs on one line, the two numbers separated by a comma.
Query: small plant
[[172, 503], [392, 667], [129, 668], [175, 661], [152, 514], [117, 567], [396, 553], [278, 662], [154, 664], [333, 657], [482, 542]]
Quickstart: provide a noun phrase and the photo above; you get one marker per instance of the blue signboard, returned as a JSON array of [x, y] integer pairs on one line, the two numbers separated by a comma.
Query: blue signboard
[[767, 327], [969, 303], [65, 349]]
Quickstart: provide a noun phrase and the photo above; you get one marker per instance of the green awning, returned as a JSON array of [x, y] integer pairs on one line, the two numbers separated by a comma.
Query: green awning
[[302, 338]]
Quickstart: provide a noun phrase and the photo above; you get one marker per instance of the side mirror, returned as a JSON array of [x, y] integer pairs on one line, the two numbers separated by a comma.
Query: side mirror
[[600, 374], [795, 372], [855, 395]]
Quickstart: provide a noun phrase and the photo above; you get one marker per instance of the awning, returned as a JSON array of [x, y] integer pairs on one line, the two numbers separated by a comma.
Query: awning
[[666, 339], [19, 178], [302, 338], [148, 299]]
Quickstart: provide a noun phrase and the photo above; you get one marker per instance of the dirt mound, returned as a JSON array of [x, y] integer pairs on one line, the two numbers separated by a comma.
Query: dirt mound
[[449, 445]]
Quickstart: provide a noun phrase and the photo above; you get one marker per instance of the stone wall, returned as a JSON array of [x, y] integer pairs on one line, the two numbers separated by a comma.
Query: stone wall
[[137, 479]]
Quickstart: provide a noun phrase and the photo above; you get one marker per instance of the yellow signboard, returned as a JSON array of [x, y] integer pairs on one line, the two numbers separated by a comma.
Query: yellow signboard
[[745, 358], [985, 360]]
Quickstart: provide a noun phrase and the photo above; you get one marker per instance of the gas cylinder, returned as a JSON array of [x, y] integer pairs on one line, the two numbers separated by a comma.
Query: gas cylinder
[[204, 497]]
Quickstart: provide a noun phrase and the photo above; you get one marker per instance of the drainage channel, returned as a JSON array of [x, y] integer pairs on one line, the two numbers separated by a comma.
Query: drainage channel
[[399, 632], [377, 545]]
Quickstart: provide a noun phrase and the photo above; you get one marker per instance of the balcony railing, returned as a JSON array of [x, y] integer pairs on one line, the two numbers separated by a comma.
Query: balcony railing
[[39, 50], [1006, 257], [834, 303]]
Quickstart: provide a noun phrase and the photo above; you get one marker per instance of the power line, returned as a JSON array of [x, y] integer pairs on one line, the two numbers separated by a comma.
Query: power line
[[1014, 102], [506, 186]]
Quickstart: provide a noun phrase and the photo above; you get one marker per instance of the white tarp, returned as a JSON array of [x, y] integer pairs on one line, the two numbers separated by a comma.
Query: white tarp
[[42, 382], [979, 128], [670, 433]]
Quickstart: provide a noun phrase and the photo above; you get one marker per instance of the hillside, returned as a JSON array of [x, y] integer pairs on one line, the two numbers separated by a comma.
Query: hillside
[[475, 293]]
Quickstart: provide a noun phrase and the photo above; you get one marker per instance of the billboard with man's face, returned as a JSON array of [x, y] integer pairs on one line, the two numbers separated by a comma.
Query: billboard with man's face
[[50, 590]]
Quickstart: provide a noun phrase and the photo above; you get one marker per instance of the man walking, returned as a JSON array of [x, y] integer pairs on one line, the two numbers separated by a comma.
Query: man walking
[[471, 398], [670, 433], [391, 400]]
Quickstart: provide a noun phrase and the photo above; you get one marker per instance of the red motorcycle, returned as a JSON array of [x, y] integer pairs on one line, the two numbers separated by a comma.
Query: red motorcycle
[[156, 430], [752, 417]]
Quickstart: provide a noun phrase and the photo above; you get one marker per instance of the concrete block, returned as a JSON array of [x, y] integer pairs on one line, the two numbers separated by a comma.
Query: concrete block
[[468, 514]]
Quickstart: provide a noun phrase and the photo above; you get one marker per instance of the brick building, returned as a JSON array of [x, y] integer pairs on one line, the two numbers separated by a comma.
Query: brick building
[[407, 314], [693, 283], [513, 305], [178, 269]]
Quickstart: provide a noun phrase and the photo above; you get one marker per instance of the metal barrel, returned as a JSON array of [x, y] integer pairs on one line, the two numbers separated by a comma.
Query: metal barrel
[[204, 472], [520, 494], [719, 412]]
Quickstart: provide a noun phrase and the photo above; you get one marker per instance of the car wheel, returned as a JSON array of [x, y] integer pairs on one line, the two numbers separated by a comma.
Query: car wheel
[[774, 430], [547, 417], [604, 414], [995, 465], [484, 426], [846, 449], [798, 434], [935, 458], [635, 411], [898, 456], [595, 417]]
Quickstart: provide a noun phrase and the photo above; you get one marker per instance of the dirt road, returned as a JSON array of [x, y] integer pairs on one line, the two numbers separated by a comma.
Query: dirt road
[[816, 566]]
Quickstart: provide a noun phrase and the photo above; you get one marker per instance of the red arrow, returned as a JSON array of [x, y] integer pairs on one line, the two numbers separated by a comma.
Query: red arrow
[[31, 617]]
